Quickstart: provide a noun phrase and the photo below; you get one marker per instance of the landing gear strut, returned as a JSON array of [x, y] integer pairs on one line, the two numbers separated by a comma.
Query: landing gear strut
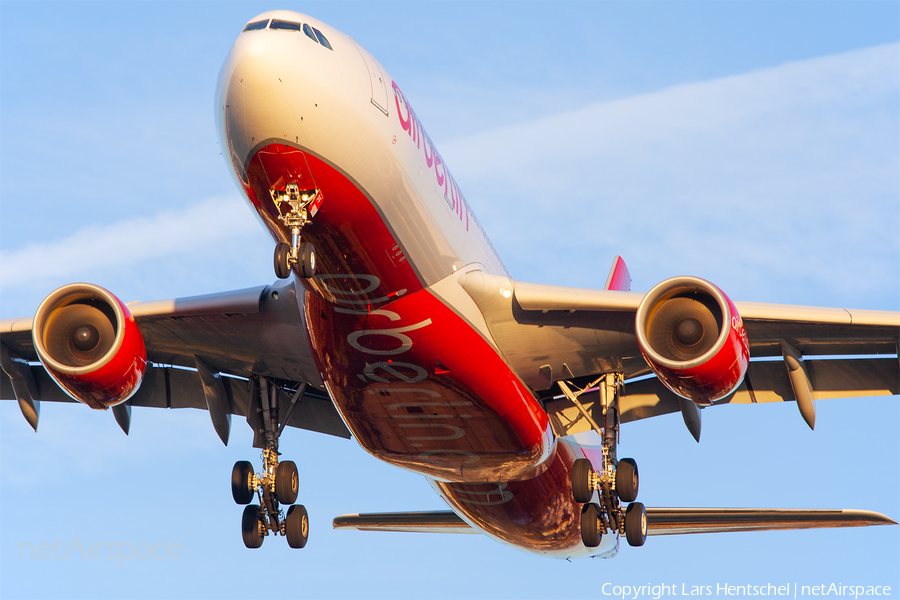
[[295, 209], [615, 482], [276, 484]]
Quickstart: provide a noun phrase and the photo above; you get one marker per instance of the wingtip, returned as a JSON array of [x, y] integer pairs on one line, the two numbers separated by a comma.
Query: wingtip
[[884, 520], [870, 517]]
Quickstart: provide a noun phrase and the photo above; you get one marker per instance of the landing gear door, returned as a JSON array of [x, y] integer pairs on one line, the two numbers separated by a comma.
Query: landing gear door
[[379, 88]]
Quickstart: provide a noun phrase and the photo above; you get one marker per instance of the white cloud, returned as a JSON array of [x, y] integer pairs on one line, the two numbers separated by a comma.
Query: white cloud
[[782, 182], [172, 232], [846, 80]]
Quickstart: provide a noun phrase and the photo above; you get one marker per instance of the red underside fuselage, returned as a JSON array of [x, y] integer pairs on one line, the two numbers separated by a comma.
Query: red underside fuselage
[[416, 384]]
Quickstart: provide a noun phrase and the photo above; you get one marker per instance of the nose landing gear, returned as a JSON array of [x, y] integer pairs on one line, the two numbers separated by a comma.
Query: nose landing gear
[[295, 209], [276, 484], [616, 481]]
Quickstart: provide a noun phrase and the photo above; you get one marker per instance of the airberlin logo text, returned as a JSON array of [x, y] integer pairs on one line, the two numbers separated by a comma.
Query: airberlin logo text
[[411, 125], [427, 420]]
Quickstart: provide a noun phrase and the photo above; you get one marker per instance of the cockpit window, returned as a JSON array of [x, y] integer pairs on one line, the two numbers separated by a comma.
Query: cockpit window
[[289, 25], [256, 25], [309, 32], [322, 39]]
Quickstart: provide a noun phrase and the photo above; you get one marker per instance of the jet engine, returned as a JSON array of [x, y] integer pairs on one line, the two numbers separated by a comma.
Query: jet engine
[[692, 336], [90, 345]]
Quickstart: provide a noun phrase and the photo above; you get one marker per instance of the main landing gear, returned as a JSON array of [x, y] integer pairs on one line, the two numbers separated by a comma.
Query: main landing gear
[[616, 481], [299, 209], [277, 484]]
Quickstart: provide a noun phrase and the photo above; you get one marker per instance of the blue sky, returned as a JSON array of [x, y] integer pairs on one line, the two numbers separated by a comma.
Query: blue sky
[[754, 144]]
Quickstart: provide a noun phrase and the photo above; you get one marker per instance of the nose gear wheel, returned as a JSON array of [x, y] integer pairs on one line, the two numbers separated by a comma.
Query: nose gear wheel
[[296, 208]]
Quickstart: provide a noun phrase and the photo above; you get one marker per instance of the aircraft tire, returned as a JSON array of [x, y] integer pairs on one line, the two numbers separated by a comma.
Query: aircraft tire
[[636, 524], [286, 482], [590, 525], [250, 528], [296, 526], [581, 486], [306, 260], [282, 264], [627, 480], [240, 482]]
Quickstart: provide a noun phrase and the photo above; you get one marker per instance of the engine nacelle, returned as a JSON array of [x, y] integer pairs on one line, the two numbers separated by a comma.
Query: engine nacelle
[[90, 345], [693, 338]]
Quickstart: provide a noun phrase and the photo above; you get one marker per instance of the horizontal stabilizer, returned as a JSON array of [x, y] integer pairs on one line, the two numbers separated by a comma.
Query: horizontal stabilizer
[[441, 521], [673, 521], [660, 521]]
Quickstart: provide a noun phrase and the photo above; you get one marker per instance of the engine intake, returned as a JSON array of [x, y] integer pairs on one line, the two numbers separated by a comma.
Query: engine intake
[[692, 336], [90, 345]]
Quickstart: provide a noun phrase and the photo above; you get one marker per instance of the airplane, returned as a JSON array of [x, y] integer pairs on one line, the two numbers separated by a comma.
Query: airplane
[[388, 286]]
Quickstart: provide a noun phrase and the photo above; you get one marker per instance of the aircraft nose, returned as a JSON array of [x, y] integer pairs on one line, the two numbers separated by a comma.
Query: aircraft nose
[[253, 93], [257, 61]]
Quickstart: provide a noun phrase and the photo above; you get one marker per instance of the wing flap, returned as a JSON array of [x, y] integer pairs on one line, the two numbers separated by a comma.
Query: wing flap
[[167, 387], [832, 378], [766, 381]]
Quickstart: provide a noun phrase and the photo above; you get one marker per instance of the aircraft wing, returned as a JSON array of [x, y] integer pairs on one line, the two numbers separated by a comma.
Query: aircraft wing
[[223, 335], [546, 333], [553, 333]]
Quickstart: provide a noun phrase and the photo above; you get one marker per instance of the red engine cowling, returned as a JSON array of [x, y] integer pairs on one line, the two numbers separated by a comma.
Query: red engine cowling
[[693, 338], [90, 345]]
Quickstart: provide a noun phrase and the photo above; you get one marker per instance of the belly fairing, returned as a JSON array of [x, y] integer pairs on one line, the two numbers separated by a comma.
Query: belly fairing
[[538, 515]]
